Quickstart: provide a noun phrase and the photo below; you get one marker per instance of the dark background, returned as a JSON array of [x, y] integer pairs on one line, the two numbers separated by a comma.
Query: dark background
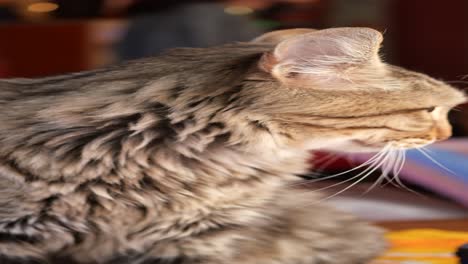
[[426, 36]]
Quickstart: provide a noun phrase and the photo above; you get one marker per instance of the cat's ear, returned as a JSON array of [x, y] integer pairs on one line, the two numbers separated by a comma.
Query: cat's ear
[[277, 36], [322, 55]]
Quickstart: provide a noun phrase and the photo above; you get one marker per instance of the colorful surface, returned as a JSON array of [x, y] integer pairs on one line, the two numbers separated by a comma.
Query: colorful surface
[[423, 246], [449, 177], [443, 169]]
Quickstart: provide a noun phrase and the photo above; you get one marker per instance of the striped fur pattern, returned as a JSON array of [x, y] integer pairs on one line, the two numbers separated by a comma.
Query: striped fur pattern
[[189, 157]]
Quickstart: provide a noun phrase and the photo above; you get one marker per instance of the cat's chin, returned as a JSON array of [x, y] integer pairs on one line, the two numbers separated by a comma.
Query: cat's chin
[[353, 146], [411, 144], [357, 149], [362, 146]]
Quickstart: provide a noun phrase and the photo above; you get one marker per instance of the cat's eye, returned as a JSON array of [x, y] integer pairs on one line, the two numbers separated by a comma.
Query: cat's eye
[[430, 109]]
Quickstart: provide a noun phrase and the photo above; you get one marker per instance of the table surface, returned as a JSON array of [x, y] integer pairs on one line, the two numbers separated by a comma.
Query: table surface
[[446, 224]]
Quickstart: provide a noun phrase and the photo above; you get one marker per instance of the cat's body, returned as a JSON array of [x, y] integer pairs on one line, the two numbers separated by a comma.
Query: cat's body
[[190, 157]]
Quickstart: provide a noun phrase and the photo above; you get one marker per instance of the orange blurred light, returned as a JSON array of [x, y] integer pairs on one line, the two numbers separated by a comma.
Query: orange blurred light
[[42, 7]]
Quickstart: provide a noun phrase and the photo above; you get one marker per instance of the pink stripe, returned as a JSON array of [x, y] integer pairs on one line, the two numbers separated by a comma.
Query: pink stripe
[[440, 183], [457, 145]]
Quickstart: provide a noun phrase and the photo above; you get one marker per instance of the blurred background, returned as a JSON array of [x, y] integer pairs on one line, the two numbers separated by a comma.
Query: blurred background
[[40, 38]]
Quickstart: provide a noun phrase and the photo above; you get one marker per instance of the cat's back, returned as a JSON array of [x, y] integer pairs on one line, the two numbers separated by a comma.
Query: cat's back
[[182, 62], [33, 105], [76, 81]]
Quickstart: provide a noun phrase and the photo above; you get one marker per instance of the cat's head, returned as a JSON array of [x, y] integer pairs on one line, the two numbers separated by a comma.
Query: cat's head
[[331, 90]]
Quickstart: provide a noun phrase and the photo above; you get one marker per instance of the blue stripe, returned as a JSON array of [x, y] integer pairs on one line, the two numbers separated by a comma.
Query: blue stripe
[[457, 163]]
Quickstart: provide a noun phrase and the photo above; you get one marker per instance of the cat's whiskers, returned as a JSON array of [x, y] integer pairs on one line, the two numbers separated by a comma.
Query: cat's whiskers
[[400, 160], [425, 153], [429, 151], [371, 160], [386, 167], [373, 163], [396, 174], [336, 157], [390, 179], [317, 174], [396, 168], [389, 159], [327, 160], [326, 157], [367, 172], [330, 160]]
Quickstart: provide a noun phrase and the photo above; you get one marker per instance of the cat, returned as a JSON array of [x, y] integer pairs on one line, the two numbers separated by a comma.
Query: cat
[[192, 156]]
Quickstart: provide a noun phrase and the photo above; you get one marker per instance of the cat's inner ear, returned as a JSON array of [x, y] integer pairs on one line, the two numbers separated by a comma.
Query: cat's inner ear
[[278, 36], [327, 54]]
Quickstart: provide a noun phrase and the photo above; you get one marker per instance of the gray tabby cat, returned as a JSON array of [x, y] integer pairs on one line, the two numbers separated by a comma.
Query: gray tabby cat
[[191, 157]]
